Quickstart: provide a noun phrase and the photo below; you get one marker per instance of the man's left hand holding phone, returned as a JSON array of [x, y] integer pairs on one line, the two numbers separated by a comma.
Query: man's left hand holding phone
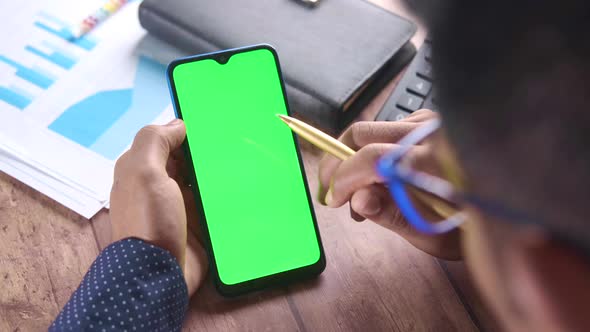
[[155, 233], [151, 200], [136, 282]]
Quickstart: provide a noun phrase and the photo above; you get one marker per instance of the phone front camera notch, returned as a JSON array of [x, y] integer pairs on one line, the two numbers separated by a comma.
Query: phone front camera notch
[[222, 59]]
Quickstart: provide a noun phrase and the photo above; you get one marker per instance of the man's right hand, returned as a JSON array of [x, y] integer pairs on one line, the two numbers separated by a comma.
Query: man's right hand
[[355, 180]]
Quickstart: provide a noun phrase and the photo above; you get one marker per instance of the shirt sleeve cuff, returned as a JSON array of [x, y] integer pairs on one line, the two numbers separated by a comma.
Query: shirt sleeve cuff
[[133, 286]]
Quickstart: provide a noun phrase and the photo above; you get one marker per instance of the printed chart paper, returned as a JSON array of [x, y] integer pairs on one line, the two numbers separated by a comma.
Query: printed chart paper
[[70, 109]]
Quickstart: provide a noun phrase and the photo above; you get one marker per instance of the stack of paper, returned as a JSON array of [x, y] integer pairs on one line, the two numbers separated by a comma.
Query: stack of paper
[[70, 109]]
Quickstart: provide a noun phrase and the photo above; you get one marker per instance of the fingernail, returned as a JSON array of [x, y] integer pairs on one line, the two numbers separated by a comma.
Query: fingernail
[[355, 216], [329, 197], [372, 207], [174, 122]]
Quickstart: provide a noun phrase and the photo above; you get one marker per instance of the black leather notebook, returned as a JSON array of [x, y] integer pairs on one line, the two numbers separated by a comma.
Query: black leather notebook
[[334, 56]]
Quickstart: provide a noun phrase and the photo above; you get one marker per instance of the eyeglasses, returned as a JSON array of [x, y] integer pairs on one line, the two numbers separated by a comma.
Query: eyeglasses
[[399, 175]]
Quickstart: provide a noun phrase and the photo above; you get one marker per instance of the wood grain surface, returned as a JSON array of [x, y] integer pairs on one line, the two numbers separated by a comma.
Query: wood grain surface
[[45, 251], [374, 280]]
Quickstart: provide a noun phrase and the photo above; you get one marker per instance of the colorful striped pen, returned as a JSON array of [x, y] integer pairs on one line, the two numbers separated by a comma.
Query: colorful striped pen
[[97, 17]]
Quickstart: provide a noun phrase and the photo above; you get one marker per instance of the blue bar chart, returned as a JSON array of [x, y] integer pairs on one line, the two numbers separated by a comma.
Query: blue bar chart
[[70, 106], [15, 97], [107, 121], [57, 55], [61, 29], [50, 29], [34, 75]]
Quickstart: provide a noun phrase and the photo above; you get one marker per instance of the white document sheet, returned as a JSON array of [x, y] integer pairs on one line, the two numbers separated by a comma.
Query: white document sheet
[[68, 110]]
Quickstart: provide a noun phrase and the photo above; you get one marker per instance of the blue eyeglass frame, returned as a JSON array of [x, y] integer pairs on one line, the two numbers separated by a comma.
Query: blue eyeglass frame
[[398, 175]]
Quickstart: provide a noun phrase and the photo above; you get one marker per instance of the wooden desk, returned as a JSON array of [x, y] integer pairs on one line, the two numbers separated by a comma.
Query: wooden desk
[[374, 280]]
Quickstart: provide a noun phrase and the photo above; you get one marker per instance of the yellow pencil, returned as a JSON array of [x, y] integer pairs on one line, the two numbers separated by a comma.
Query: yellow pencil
[[341, 151]]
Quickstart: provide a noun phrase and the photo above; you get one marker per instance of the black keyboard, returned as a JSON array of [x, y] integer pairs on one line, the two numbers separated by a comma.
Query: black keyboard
[[414, 90]]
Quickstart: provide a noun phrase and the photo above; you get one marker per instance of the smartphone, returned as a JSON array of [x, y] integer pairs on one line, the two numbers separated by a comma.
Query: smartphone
[[249, 182]]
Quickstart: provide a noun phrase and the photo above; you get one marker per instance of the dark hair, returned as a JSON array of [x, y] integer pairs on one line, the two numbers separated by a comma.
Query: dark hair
[[513, 80]]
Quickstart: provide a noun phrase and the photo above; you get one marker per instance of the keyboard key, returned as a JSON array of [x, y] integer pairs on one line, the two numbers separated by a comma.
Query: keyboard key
[[425, 71], [410, 102], [415, 89], [419, 86]]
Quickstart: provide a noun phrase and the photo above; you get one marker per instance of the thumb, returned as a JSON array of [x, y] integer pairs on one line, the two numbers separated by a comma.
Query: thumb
[[375, 203], [175, 132], [157, 142]]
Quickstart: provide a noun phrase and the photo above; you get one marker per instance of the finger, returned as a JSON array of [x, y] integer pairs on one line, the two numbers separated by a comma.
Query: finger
[[419, 116], [184, 167], [356, 172], [177, 155], [328, 164], [190, 206], [365, 202], [360, 170], [357, 136], [375, 203], [196, 264], [355, 216], [389, 216], [173, 169], [368, 132], [153, 144], [421, 158], [177, 167]]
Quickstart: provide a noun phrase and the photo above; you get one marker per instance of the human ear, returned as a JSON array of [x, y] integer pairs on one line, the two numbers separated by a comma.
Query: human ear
[[549, 283]]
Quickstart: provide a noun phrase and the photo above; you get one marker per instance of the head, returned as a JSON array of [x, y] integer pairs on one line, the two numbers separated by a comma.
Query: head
[[513, 79]]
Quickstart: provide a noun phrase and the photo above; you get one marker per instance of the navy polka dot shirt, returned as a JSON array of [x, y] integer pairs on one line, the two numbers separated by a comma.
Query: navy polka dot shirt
[[131, 286]]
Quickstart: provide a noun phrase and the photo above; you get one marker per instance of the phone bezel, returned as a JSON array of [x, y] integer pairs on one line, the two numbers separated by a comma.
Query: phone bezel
[[274, 280]]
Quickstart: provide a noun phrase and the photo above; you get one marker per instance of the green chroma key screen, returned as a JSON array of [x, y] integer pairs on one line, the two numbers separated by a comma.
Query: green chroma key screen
[[248, 174]]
